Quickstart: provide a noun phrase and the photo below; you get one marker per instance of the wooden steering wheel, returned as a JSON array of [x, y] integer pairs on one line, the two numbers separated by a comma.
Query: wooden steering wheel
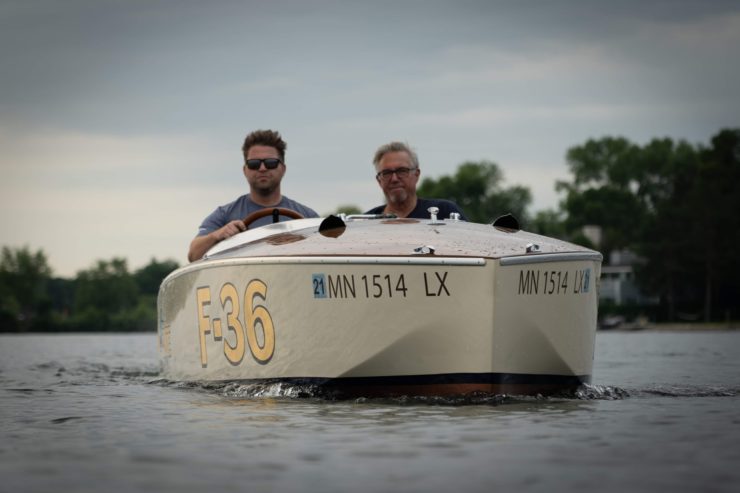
[[268, 211]]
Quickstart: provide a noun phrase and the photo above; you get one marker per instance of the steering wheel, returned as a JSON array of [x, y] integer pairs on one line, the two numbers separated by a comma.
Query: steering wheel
[[269, 211]]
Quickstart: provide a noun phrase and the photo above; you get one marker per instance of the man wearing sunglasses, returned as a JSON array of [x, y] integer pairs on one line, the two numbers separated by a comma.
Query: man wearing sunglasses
[[264, 168], [397, 172]]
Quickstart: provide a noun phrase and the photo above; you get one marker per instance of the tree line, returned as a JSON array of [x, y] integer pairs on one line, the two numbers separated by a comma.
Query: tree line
[[105, 297], [672, 203]]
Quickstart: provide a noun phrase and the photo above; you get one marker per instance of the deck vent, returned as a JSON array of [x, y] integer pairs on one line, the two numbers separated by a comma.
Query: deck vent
[[533, 248], [506, 223], [332, 227]]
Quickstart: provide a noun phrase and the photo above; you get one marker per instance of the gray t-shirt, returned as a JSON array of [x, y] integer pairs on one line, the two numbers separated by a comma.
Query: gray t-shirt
[[244, 206]]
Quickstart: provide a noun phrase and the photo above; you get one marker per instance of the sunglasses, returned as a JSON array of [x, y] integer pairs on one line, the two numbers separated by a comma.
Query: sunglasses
[[270, 163]]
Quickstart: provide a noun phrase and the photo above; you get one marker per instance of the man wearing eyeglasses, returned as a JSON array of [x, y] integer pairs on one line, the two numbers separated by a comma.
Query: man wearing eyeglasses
[[264, 168], [397, 172]]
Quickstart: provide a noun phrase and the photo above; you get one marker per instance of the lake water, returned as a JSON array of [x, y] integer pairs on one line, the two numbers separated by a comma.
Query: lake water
[[89, 413]]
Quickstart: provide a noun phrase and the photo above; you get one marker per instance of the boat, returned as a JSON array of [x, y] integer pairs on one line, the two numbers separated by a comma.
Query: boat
[[380, 306]]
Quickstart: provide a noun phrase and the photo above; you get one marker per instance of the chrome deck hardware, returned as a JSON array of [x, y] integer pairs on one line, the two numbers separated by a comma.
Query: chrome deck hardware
[[433, 211], [424, 250]]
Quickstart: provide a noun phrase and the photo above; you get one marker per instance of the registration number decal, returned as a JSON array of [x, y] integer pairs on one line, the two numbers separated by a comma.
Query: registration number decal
[[554, 282], [375, 286]]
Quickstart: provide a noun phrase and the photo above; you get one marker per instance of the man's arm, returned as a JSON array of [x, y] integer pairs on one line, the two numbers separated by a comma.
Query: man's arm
[[201, 244]]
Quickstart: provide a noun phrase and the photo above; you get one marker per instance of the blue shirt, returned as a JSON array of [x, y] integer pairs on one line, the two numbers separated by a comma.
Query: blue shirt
[[244, 206], [420, 211]]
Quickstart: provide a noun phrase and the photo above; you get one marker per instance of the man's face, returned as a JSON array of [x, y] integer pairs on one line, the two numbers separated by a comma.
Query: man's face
[[397, 189], [263, 181]]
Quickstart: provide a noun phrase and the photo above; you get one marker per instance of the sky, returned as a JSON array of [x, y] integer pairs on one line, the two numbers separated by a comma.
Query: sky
[[121, 122]]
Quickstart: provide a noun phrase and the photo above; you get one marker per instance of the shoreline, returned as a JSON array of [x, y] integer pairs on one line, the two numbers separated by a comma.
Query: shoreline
[[676, 327]]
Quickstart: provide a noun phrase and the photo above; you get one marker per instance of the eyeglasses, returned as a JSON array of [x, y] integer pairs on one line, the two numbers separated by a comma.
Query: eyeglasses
[[401, 173], [270, 163]]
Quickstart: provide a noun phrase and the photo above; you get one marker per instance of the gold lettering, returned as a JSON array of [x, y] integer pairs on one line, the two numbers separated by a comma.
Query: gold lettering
[[255, 314], [229, 296], [203, 297]]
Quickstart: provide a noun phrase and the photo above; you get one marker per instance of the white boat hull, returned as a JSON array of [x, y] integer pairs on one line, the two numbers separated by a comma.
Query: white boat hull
[[384, 325]]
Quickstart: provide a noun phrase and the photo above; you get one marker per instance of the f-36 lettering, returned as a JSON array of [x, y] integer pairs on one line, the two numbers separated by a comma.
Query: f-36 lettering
[[242, 326]]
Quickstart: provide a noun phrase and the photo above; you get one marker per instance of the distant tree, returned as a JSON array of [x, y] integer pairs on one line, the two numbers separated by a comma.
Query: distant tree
[[104, 297], [149, 277], [477, 188], [693, 226], [107, 285], [549, 222], [348, 209], [605, 177], [62, 294], [674, 204], [714, 218], [668, 176], [24, 301], [103, 294]]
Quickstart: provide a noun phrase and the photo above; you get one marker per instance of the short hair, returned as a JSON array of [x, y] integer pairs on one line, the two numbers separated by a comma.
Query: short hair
[[269, 138], [395, 147]]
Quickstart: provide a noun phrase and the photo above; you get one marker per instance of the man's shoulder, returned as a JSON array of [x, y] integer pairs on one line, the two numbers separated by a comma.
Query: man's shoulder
[[240, 203]]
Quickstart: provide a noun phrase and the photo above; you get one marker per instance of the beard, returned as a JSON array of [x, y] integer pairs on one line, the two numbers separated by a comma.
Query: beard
[[397, 196], [264, 187]]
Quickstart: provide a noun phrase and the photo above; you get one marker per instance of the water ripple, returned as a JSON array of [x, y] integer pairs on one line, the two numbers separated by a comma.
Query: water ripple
[[65, 419], [689, 391]]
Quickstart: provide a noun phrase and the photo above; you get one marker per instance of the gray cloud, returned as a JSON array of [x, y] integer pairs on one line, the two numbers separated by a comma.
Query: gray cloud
[[139, 96]]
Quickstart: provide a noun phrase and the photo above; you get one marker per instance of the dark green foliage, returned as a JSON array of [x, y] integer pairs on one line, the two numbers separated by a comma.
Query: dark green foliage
[[105, 297], [674, 204], [149, 277], [24, 299], [348, 209], [548, 223], [108, 286], [476, 188], [605, 177]]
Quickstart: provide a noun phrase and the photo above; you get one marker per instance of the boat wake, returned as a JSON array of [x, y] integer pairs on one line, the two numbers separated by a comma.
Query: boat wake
[[291, 390], [91, 373]]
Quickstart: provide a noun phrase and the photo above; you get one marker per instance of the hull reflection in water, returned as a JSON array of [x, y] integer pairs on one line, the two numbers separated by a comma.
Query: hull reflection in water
[[384, 307]]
